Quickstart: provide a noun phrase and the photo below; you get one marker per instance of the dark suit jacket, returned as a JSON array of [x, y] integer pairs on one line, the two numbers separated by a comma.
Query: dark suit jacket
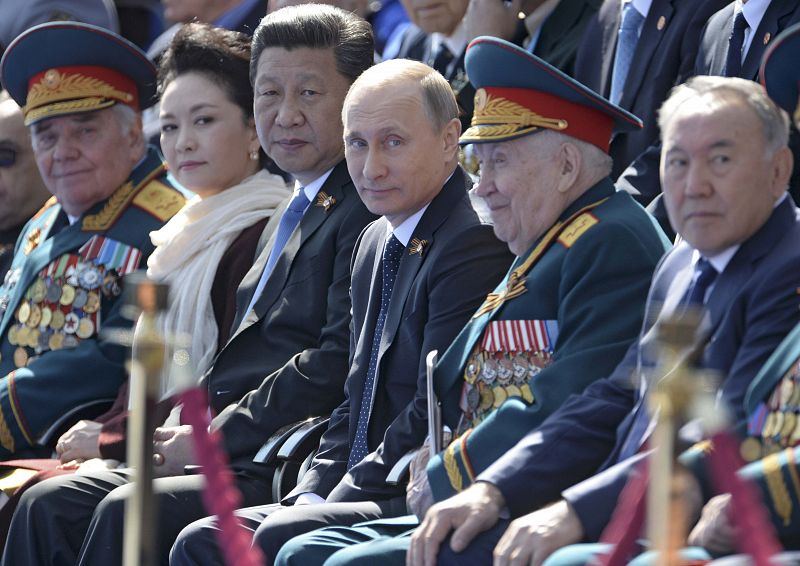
[[665, 56], [752, 306], [563, 31], [287, 361], [434, 295], [593, 291]]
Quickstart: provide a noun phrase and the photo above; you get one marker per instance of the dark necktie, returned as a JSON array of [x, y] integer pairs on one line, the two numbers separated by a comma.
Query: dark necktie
[[442, 59], [704, 275], [392, 253], [733, 64], [627, 38]]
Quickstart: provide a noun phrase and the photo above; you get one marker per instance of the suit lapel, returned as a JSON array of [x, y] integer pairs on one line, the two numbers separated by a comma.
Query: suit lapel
[[769, 27], [313, 218], [742, 265], [721, 44], [559, 24], [247, 287], [438, 210], [653, 30]]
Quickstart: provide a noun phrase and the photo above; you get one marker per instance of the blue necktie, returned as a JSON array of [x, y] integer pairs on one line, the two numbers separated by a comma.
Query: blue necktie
[[289, 221], [627, 38], [733, 64], [704, 276], [392, 253]]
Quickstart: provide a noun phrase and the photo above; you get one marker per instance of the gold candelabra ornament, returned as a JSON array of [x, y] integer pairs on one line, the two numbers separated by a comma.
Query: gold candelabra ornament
[[147, 363], [680, 394]]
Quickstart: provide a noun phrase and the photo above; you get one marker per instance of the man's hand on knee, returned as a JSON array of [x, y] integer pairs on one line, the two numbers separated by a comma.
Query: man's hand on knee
[[534, 537], [466, 514]]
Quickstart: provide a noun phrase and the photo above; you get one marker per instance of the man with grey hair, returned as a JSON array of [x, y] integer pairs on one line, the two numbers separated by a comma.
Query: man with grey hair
[[414, 286], [82, 90], [724, 173]]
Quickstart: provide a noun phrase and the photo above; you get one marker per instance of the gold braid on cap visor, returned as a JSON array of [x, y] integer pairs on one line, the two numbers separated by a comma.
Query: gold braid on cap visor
[[59, 93], [497, 117]]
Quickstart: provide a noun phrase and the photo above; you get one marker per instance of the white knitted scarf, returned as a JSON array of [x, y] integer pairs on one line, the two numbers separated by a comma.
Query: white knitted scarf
[[188, 250]]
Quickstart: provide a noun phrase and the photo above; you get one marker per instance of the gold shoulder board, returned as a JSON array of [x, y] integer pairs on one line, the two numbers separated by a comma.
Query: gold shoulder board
[[159, 200], [577, 228]]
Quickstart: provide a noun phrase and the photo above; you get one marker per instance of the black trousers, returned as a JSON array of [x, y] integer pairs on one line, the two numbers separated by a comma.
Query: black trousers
[[79, 519], [273, 525]]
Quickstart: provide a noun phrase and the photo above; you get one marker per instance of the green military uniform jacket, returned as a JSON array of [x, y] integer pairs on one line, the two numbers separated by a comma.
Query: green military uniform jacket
[[62, 289], [519, 358]]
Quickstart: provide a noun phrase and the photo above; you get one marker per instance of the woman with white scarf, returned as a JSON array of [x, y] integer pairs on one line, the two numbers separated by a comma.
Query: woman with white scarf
[[209, 141]]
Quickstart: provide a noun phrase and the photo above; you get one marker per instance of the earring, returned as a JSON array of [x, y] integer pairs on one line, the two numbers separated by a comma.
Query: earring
[[254, 155]]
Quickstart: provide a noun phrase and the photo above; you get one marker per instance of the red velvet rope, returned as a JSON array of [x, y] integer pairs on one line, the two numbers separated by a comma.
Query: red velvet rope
[[220, 495]]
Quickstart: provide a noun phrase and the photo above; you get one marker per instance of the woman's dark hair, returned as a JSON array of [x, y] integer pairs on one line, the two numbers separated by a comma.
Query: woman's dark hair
[[221, 55]]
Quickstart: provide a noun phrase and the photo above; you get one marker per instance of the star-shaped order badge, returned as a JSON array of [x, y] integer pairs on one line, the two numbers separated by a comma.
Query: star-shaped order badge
[[33, 241], [417, 246], [325, 200]]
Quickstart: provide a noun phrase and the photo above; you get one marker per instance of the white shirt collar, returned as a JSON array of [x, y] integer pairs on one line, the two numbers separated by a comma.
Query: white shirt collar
[[718, 261], [314, 186], [407, 227], [753, 11], [456, 42], [642, 6]]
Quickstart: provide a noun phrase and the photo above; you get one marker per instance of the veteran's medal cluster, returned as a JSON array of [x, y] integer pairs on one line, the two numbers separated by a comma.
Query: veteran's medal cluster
[[62, 305]]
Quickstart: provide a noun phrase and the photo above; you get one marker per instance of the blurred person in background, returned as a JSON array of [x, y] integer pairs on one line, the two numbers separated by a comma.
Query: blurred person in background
[[22, 191]]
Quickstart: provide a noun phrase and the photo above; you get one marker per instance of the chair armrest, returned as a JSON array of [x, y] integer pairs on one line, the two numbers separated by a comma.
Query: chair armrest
[[88, 410], [304, 440], [268, 452], [400, 469]]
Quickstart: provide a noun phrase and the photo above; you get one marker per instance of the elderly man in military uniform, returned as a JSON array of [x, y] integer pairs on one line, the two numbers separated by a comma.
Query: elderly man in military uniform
[[82, 90], [573, 300]]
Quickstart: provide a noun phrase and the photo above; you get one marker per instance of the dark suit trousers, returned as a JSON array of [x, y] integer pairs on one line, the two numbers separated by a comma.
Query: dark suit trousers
[[79, 518], [273, 525]]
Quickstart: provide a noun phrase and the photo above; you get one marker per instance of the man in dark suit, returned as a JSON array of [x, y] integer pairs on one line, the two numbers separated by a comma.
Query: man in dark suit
[[573, 301], [725, 170], [401, 145], [664, 56], [290, 346]]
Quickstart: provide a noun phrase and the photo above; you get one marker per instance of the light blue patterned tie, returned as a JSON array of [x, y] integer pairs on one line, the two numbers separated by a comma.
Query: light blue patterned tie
[[289, 221], [627, 38], [392, 253]]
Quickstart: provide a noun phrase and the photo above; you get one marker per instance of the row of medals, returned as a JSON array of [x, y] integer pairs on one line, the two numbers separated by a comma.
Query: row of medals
[[782, 424], [42, 323], [491, 378]]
